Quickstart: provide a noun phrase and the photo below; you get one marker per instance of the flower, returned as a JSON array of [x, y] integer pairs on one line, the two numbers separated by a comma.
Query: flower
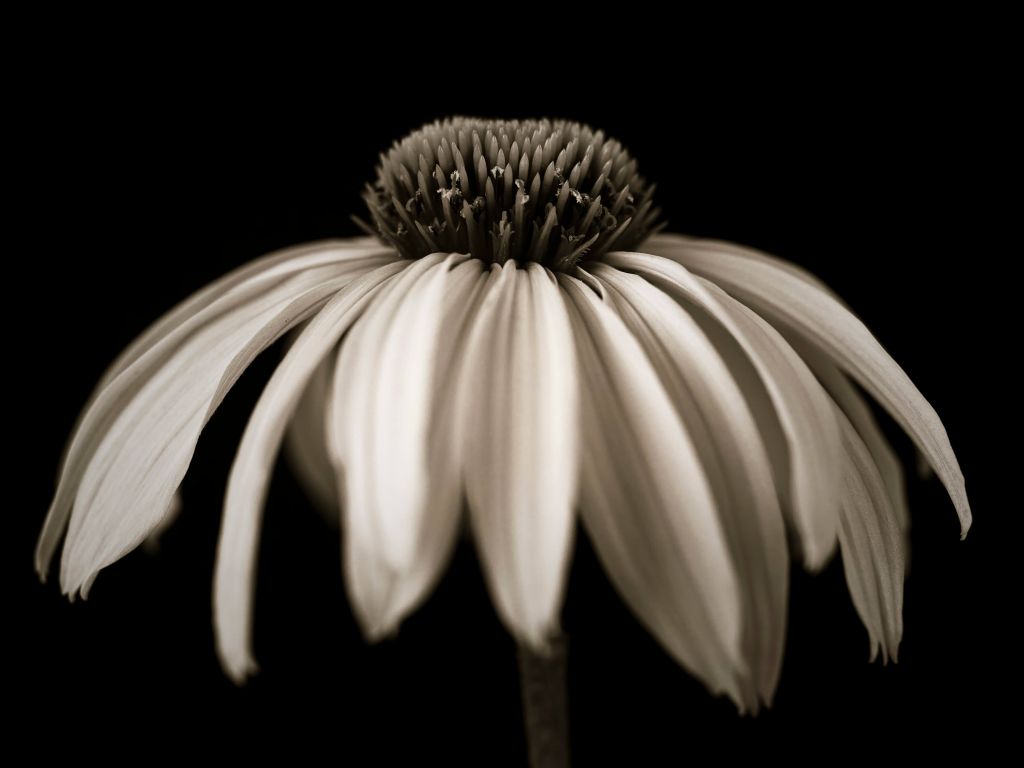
[[516, 342]]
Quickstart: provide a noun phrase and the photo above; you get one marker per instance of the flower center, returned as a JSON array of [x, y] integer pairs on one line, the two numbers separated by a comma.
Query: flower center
[[549, 191]]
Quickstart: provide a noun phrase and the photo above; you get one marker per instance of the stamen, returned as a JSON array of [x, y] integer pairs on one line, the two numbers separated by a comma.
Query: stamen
[[565, 192]]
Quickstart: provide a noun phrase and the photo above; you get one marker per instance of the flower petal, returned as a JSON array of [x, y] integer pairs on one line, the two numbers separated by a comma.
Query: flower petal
[[139, 462], [519, 430], [646, 501], [733, 455], [401, 482], [145, 358], [151, 543], [388, 360], [857, 411], [305, 443], [250, 474], [658, 242], [785, 299], [272, 266], [873, 545], [793, 412]]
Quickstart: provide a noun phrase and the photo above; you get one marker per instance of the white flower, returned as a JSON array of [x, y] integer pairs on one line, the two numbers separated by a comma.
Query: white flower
[[521, 348]]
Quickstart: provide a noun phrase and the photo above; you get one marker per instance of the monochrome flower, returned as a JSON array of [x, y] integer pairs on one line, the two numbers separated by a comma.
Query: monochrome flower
[[516, 343]]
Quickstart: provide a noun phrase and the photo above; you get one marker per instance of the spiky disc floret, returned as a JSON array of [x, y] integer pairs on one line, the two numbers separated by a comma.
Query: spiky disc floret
[[531, 190]]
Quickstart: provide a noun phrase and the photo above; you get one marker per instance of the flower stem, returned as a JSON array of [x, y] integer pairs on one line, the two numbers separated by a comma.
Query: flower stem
[[542, 679]]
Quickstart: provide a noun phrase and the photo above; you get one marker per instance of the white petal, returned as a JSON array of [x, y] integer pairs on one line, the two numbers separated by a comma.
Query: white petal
[[794, 414], [272, 266], [389, 361], [140, 460], [393, 438], [873, 545], [787, 300], [151, 543], [305, 443], [733, 455], [646, 501], [665, 240], [520, 434], [145, 358], [250, 474], [233, 290], [857, 411]]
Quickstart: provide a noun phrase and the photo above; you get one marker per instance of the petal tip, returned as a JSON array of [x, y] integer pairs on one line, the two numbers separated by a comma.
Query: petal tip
[[87, 586], [816, 555], [379, 622], [894, 653], [875, 646], [380, 631], [740, 690], [238, 666], [966, 520], [43, 556]]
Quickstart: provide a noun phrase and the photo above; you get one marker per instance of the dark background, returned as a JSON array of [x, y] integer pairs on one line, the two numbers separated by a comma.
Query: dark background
[[145, 171]]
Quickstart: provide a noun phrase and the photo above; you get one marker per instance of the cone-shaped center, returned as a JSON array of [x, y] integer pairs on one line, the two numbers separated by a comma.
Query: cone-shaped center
[[549, 191]]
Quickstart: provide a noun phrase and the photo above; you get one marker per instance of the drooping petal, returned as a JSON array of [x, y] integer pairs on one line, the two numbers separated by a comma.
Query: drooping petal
[[388, 361], [139, 461], [519, 428], [873, 545], [656, 243], [250, 474], [787, 300], [400, 477], [152, 542], [212, 307], [230, 291], [305, 443], [857, 411], [272, 266], [793, 413], [733, 455], [646, 501], [462, 302]]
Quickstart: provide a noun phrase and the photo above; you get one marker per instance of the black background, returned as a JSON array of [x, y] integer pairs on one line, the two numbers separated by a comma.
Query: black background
[[146, 171]]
